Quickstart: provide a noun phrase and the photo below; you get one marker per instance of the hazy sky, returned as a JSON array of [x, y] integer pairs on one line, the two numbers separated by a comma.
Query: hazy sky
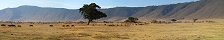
[[75, 4]]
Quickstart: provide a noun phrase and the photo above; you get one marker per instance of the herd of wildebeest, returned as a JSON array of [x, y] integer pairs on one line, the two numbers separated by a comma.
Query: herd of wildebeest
[[73, 25], [70, 24], [33, 25], [12, 25]]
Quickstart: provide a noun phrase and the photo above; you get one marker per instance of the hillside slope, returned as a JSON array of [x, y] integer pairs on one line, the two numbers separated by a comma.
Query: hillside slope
[[204, 9]]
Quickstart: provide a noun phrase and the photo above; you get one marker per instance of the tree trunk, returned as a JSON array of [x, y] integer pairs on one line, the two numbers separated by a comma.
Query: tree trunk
[[89, 22], [194, 21]]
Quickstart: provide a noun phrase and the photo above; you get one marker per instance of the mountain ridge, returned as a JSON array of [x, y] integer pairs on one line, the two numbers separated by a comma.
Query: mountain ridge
[[204, 9]]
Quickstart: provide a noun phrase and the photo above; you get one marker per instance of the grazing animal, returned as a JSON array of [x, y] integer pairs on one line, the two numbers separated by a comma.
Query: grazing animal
[[12, 25], [111, 25], [67, 25], [72, 25], [51, 25], [31, 25], [63, 25], [3, 25], [105, 24]]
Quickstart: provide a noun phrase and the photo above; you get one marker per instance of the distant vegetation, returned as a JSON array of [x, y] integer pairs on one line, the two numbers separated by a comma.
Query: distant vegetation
[[173, 20], [132, 19], [195, 20], [91, 13]]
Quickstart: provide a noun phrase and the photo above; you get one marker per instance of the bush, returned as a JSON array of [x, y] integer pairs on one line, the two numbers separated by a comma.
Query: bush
[[173, 20], [19, 26], [210, 21], [132, 19], [105, 22], [154, 21], [81, 22]]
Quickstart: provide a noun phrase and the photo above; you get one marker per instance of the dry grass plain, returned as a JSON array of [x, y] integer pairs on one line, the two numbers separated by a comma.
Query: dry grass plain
[[174, 31]]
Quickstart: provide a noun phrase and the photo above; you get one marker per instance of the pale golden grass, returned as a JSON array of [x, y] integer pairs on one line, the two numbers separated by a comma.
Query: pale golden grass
[[175, 31]]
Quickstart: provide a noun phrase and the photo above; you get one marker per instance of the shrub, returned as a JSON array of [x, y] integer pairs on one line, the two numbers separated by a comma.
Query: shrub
[[173, 20], [154, 21], [81, 22], [132, 19], [19, 26], [105, 22]]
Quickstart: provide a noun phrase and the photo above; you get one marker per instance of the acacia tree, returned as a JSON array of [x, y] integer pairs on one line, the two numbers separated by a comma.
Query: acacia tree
[[91, 13], [194, 20]]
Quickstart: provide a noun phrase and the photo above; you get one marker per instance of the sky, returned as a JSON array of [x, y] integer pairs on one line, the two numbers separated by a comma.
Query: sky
[[75, 4]]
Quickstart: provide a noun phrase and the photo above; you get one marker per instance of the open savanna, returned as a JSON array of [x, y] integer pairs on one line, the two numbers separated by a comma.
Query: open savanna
[[116, 31]]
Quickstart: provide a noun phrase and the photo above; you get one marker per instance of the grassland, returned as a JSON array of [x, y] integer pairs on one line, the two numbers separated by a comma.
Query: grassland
[[100, 31]]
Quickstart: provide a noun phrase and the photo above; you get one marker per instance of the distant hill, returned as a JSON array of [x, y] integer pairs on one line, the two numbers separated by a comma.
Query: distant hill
[[204, 9], [34, 13]]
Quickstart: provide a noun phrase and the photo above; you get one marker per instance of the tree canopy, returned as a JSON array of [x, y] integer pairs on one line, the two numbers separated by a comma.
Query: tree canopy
[[91, 13]]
